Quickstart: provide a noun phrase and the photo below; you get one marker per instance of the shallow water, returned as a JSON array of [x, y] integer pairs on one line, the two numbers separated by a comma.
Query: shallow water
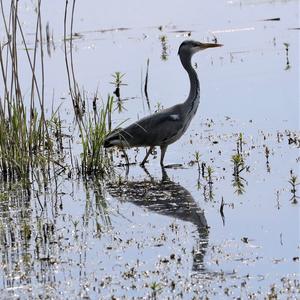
[[138, 235]]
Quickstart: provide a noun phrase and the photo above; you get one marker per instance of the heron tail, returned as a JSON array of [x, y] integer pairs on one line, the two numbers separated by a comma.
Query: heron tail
[[107, 143], [113, 139]]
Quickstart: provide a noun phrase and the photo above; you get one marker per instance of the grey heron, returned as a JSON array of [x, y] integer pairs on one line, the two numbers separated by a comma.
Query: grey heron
[[168, 125]]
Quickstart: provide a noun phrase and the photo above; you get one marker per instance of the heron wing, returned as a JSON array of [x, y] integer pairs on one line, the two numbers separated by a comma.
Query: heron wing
[[155, 129]]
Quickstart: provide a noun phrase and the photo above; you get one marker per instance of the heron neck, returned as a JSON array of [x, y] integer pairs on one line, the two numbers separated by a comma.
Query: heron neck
[[194, 95]]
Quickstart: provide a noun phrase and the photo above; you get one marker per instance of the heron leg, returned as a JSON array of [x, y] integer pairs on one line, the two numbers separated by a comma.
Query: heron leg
[[126, 157], [164, 174], [147, 155], [163, 150]]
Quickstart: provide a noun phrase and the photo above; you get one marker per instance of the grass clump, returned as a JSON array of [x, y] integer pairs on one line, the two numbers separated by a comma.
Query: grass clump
[[93, 131], [25, 142]]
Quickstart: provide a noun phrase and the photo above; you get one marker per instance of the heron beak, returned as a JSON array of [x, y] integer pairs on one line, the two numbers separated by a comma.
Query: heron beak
[[209, 45]]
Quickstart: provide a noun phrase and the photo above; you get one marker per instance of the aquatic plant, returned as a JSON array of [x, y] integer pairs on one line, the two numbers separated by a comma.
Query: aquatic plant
[[238, 164], [118, 82], [288, 66], [207, 174], [164, 44], [238, 182], [93, 129], [75, 93], [197, 159], [158, 107], [156, 288], [293, 181], [239, 144], [93, 125], [209, 179], [25, 141], [267, 154], [203, 166]]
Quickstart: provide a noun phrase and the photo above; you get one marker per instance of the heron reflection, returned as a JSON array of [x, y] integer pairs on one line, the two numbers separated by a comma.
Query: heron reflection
[[167, 198]]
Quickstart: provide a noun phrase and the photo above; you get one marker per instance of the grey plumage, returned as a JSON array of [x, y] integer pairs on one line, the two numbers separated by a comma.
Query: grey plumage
[[166, 126]]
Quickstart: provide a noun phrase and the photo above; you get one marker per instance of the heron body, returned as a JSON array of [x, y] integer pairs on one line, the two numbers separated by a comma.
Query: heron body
[[168, 125]]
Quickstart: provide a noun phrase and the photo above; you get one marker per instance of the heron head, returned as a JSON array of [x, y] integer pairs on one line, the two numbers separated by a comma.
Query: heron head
[[189, 47]]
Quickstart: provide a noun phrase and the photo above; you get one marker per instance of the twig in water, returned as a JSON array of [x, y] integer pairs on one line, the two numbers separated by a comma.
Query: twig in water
[[146, 85], [222, 211]]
